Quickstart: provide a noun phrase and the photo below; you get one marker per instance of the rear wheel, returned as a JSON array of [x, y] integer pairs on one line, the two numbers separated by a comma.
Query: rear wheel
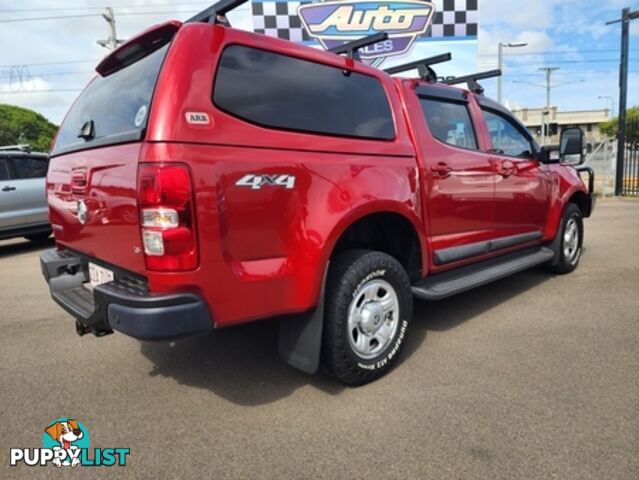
[[568, 245], [368, 310]]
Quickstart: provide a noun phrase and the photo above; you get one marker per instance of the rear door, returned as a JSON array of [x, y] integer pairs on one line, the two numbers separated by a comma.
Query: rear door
[[10, 204], [458, 179], [30, 173]]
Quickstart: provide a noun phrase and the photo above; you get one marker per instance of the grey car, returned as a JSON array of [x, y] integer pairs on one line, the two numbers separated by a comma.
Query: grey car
[[23, 203]]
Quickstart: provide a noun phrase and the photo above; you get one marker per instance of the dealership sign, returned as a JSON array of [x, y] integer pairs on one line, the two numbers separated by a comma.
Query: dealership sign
[[333, 23]]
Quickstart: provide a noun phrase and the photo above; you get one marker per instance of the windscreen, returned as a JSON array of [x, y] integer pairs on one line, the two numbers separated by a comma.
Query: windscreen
[[112, 109]]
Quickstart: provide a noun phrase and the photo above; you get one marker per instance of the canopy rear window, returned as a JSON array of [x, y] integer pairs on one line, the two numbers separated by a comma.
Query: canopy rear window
[[112, 109]]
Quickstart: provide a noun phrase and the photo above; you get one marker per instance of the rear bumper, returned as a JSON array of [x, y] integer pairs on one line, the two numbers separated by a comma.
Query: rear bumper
[[119, 305]]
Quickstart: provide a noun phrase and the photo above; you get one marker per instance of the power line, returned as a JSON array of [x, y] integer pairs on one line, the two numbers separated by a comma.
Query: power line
[[52, 90], [68, 62], [566, 62], [556, 52], [101, 7], [52, 74], [88, 15]]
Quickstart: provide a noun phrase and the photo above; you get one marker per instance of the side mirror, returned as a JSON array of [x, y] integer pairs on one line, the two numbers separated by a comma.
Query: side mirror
[[571, 147]]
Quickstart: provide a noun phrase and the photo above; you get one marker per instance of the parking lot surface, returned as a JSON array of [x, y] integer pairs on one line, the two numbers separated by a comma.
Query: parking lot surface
[[532, 377]]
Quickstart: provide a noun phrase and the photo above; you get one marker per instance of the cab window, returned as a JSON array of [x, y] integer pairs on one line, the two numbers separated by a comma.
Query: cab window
[[4, 170], [29, 168], [449, 122], [506, 138]]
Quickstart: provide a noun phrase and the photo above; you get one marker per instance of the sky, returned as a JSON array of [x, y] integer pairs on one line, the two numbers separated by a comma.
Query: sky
[[45, 63]]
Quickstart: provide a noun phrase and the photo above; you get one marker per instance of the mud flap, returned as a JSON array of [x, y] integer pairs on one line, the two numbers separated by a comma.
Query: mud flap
[[555, 245], [300, 337]]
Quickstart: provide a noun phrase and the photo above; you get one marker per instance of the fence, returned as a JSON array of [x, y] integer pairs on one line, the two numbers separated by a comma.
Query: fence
[[630, 186]]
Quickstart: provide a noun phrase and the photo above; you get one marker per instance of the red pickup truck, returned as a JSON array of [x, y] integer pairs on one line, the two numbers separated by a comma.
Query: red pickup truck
[[209, 177]]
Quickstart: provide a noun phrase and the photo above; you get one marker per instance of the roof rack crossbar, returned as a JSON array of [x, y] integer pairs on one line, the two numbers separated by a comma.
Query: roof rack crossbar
[[473, 85], [422, 66], [351, 49], [23, 147], [216, 13]]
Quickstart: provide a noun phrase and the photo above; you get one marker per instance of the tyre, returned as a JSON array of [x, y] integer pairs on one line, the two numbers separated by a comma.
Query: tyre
[[569, 241], [38, 237], [368, 310]]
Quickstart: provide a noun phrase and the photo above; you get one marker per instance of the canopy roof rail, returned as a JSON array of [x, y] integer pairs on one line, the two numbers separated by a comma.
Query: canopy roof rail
[[473, 86], [422, 66], [216, 13], [351, 48]]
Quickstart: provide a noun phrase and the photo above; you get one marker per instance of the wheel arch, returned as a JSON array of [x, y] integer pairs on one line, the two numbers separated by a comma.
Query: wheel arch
[[390, 229]]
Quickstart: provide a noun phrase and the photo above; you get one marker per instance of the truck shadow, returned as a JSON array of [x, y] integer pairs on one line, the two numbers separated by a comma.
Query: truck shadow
[[15, 248], [241, 364]]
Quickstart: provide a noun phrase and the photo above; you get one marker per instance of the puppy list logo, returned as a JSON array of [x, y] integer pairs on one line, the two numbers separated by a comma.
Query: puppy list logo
[[66, 443], [333, 23]]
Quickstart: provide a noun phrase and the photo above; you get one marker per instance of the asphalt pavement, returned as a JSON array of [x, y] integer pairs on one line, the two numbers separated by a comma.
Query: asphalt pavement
[[532, 377]]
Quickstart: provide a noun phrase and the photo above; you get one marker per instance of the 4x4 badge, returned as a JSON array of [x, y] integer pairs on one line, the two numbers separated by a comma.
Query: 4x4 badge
[[256, 182]]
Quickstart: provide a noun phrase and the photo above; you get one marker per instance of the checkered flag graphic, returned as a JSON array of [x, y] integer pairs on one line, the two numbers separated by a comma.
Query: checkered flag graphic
[[454, 18], [279, 19]]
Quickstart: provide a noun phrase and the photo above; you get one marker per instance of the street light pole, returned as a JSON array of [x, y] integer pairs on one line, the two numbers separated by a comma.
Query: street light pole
[[500, 62]]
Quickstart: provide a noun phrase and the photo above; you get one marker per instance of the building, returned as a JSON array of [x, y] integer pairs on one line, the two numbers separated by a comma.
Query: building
[[587, 120]]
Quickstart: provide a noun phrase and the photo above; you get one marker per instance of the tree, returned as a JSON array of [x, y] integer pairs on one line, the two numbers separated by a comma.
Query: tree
[[611, 127], [23, 126]]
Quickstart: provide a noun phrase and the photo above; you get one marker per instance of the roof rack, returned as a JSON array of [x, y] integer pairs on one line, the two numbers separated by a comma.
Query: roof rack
[[16, 148], [216, 13], [422, 66], [351, 48], [473, 86]]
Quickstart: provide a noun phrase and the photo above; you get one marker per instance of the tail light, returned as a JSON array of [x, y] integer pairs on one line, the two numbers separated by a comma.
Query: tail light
[[167, 217]]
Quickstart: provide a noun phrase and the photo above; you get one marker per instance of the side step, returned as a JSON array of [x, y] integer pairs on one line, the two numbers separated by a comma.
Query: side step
[[456, 281]]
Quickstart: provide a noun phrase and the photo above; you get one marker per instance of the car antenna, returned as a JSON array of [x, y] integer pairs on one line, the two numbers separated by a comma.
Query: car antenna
[[423, 67], [351, 49], [216, 13], [473, 85]]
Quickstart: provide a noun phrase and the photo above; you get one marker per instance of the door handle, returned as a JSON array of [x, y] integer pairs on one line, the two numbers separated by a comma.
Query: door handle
[[8, 189], [442, 170], [506, 168]]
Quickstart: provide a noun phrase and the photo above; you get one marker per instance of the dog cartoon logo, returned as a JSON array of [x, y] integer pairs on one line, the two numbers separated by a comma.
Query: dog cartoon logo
[[68, 435], [66, 443]]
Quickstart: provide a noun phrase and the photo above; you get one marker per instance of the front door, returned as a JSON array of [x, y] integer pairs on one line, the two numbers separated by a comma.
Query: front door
[[11, 210], [30, 173], [522, 184]]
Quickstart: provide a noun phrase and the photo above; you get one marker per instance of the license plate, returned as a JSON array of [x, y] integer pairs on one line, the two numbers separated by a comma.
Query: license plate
[[99, 275]]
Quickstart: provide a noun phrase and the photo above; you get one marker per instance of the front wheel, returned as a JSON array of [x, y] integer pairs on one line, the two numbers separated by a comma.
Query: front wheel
[[568, 245], [368, 310]]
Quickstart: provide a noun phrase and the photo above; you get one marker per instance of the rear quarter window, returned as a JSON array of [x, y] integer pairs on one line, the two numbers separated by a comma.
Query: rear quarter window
[[282, 92]]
